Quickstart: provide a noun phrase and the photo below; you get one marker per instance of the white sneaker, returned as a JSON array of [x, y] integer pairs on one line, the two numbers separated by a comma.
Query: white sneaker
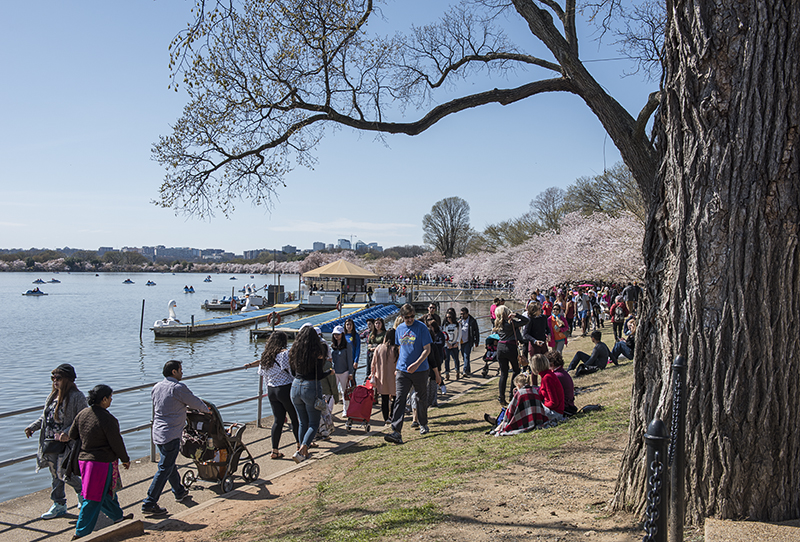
[[56, 511], [423, 430], [443, 389]]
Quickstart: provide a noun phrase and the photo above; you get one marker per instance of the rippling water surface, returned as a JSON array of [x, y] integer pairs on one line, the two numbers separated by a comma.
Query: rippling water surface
[[92, 322]]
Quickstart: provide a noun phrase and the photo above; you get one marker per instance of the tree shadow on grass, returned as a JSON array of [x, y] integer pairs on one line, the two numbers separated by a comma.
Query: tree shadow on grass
[[359, 523]]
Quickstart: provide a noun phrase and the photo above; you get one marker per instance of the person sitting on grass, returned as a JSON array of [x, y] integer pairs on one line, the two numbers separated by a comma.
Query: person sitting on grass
[[551, 391], [557, 366], [525, 411], [625, 346], [591, 363]]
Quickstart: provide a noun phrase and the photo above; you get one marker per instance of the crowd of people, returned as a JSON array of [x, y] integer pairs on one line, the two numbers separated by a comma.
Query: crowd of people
[[534, 339], [407, 366]]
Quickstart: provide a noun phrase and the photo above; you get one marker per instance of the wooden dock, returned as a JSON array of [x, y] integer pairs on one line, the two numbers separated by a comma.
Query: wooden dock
[[221, 323]]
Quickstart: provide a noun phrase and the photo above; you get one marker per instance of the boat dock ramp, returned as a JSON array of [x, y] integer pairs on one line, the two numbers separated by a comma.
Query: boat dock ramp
[[326, 321], [221, 323]]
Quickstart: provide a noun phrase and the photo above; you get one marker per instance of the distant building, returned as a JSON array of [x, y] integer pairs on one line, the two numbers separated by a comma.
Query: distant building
[[177, 253], [375, 247], [103, 250], [149, 252], [289, 249], [216, 255], [344, 244], [360, 245], [254, 254], [329, 246], [318, 246]]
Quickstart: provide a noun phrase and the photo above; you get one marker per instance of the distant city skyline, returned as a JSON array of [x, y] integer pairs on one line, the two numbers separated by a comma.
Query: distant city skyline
[[151, 250]]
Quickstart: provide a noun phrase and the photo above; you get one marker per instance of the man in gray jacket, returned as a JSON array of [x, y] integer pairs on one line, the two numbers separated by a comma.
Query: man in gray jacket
[[171, 398]]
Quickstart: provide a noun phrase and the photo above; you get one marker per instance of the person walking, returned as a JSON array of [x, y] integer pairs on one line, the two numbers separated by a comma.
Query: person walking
[[470, 337], [433, 314], [102, 448], [619, 311], [274, 370], [63, 403], [507, 325], [452, 333], [343, 363], [414, 340], [558, 330], [354, 339], [306, 358], [383, 367], [374, 340], [171, 398]]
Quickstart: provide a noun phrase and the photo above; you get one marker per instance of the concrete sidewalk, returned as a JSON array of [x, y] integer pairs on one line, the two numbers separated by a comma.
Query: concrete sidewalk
[[20, 522]]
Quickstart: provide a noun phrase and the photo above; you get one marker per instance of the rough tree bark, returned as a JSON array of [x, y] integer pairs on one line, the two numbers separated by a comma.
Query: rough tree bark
[[723, 267]]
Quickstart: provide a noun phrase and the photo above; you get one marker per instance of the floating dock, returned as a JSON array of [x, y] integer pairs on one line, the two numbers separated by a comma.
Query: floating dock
[[349, 310], [326, 321], [221, 323]]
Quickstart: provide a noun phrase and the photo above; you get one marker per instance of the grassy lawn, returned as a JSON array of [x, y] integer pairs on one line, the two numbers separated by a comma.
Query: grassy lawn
[[376, 490]]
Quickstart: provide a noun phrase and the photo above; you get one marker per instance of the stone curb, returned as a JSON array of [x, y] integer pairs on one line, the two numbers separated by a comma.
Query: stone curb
[[118, 531]]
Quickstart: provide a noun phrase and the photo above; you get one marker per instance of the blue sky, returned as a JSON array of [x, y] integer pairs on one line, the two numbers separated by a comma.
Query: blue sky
[[85, 96]]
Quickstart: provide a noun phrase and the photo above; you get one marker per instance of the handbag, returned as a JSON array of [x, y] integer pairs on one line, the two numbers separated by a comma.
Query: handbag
[[70, 464], [53, 446], [319, 402], [557, 333], [522, 359]]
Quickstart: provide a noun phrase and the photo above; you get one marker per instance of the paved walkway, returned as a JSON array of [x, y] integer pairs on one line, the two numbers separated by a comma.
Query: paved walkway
[[20, 522]]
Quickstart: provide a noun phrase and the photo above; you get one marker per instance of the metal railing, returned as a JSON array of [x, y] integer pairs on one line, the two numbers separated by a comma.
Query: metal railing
[[666, 455], [259, 398], [452, 295]]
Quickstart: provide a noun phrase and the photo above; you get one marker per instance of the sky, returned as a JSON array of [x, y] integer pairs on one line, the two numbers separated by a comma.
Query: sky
[[85, 95]]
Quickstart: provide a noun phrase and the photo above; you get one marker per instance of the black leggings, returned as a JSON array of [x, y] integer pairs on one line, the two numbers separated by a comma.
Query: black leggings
[[617, 330], [507, 354], [281, 402], [387, 407]]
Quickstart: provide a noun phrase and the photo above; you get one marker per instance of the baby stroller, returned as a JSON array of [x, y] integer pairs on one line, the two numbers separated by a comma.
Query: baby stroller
[[360, 407], [491, 353], [215, 449]]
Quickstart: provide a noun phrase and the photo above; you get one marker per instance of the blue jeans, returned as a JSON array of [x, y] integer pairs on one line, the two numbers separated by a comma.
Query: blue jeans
[[57, 493], [448, 353], [466, 350], [304, 394], [621, 348], [167, 472]]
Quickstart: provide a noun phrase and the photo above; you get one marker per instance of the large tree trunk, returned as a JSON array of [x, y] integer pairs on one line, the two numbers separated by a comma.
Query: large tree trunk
[[723, 266]]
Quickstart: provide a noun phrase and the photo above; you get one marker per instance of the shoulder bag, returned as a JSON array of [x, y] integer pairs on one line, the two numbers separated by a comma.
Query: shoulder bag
[[522, 359], [319, 403]]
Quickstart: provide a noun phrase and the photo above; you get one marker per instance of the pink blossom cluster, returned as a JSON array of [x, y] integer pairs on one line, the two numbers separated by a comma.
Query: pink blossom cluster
[[588, 248]]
